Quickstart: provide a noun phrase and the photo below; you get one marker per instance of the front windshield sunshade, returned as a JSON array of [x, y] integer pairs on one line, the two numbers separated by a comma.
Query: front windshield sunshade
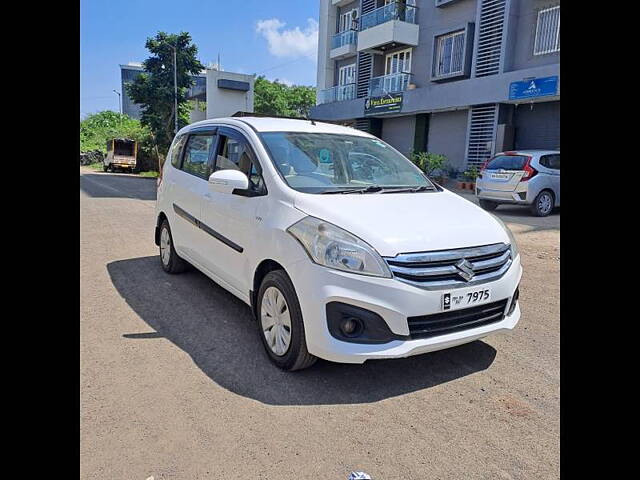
[[325, 162]]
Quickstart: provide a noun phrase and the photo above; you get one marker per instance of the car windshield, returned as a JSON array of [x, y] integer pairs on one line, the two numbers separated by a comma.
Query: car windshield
[[333, 163]]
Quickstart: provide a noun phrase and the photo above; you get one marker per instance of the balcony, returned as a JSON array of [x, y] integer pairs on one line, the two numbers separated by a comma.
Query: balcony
[[338, 93], [340, 3], [390, 26], [396, 82], [343, 45]]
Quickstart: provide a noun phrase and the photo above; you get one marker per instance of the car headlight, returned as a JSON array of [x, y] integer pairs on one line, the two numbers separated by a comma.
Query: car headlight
[[333, 247], [512, 239]]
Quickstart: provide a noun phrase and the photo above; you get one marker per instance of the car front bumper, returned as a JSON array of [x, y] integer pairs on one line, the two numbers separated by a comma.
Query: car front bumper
[[392, 300]]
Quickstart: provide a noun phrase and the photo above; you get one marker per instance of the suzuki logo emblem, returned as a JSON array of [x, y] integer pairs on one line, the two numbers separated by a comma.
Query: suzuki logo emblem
[[465, 270]]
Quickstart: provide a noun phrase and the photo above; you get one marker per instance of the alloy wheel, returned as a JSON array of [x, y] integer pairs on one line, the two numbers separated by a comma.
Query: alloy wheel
[[544, 203]]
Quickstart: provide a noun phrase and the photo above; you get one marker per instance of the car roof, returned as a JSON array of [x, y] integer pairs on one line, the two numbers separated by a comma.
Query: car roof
[[532, 151], [275, 124]]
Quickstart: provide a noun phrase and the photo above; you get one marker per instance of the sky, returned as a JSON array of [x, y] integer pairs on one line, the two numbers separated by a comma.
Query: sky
[[274, 38]]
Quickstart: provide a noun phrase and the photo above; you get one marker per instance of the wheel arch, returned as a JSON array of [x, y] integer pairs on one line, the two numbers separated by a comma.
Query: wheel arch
[[161, 218], [264, 267]]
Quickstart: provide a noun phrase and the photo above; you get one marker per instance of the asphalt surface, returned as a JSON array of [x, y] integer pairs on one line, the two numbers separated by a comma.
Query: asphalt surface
[[175, 383]]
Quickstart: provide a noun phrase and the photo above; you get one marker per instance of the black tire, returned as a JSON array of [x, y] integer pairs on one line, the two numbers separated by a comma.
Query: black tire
[[488, 205], [543, 203], [297, 357], [174, 263]]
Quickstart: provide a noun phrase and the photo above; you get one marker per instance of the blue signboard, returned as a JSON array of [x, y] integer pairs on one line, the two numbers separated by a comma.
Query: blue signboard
[[534, 87]]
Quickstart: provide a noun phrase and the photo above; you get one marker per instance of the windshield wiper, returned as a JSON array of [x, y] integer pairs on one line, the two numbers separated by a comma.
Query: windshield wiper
[[422, 188], [369, 189]]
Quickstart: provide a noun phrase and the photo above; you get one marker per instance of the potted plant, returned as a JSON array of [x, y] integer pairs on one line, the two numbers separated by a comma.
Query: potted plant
[[432, 164], [471, 174]]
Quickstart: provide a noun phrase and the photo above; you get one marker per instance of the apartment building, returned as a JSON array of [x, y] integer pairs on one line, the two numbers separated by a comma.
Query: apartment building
[[464, 78]]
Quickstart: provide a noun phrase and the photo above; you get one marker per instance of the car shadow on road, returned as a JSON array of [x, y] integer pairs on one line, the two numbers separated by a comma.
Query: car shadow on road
[[216, 329], [109, 185]]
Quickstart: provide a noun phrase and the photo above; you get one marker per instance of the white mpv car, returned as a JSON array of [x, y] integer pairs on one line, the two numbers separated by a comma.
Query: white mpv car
[[341, 246]]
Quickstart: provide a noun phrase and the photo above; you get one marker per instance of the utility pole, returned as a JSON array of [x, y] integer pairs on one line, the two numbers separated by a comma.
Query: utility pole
[[175, 90], [119, 100]]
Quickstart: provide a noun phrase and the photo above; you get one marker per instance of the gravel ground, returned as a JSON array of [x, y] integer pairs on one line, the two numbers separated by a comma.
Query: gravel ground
[[175, 384]]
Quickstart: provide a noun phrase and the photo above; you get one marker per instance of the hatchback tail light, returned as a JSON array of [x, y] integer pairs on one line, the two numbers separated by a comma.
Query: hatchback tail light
[[529, 171], [483, 167]]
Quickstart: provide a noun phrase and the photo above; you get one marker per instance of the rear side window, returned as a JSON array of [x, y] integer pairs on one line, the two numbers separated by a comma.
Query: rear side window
[[507, 162], [196, 155], [551, 161], [176, 150]]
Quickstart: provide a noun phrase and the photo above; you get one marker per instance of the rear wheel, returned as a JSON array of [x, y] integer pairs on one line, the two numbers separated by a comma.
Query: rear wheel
[[171, 262], [280, 323], [543, 204], [488, 204]]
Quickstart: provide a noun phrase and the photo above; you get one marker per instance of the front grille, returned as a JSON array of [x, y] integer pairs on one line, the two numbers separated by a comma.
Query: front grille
[[461, 267], [426, 326]]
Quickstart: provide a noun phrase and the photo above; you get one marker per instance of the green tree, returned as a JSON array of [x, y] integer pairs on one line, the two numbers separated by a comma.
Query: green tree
[[276, 98], [154, 90], [99, 127]]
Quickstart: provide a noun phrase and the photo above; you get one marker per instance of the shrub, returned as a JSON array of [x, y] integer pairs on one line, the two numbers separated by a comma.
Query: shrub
[[429, 163], [471, 173]]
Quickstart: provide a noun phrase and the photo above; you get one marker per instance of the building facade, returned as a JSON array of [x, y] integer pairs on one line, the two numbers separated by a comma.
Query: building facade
[[227, 93], [463, 78]]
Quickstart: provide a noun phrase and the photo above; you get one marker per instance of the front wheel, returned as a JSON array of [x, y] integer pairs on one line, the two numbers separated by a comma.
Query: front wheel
[[280, 323], [488, 205], [543, 204]]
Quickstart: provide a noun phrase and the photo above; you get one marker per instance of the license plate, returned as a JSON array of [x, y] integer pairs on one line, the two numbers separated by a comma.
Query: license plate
[[455, 300], [499, 176]]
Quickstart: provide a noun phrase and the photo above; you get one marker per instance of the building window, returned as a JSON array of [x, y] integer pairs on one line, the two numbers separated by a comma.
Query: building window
[[547, 31], [347, 74], [450, 54], [348, 21], [398, 62]]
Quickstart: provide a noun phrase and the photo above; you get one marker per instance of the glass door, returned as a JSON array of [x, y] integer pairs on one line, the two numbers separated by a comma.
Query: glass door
[[397, 68], [346, 81]]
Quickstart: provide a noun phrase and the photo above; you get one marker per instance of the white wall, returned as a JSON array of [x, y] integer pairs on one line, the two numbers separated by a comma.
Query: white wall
[[222, 102], [325, 32]]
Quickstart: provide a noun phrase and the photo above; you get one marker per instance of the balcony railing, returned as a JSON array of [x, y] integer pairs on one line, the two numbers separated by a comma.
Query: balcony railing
[[391, 11], [338, 93], [396, 82], [344, 38]]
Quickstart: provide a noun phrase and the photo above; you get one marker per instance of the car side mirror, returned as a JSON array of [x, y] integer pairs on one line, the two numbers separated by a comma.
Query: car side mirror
[[226, 181]]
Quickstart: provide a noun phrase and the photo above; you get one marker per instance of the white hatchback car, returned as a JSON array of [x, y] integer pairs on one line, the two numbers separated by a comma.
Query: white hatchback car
[[341, 246]]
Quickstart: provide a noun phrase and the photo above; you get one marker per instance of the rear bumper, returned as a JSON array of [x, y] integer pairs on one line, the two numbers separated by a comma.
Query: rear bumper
[[519, 196]]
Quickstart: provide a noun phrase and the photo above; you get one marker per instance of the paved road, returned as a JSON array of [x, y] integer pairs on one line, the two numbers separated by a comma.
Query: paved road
[[520, 215], [175, 384]]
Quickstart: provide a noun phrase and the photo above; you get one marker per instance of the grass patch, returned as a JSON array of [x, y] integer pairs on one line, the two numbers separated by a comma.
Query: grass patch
[[150, 174], [95, 166]]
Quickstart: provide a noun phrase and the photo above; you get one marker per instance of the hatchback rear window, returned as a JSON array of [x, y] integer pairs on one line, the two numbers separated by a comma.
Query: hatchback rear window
[[507, 162]]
